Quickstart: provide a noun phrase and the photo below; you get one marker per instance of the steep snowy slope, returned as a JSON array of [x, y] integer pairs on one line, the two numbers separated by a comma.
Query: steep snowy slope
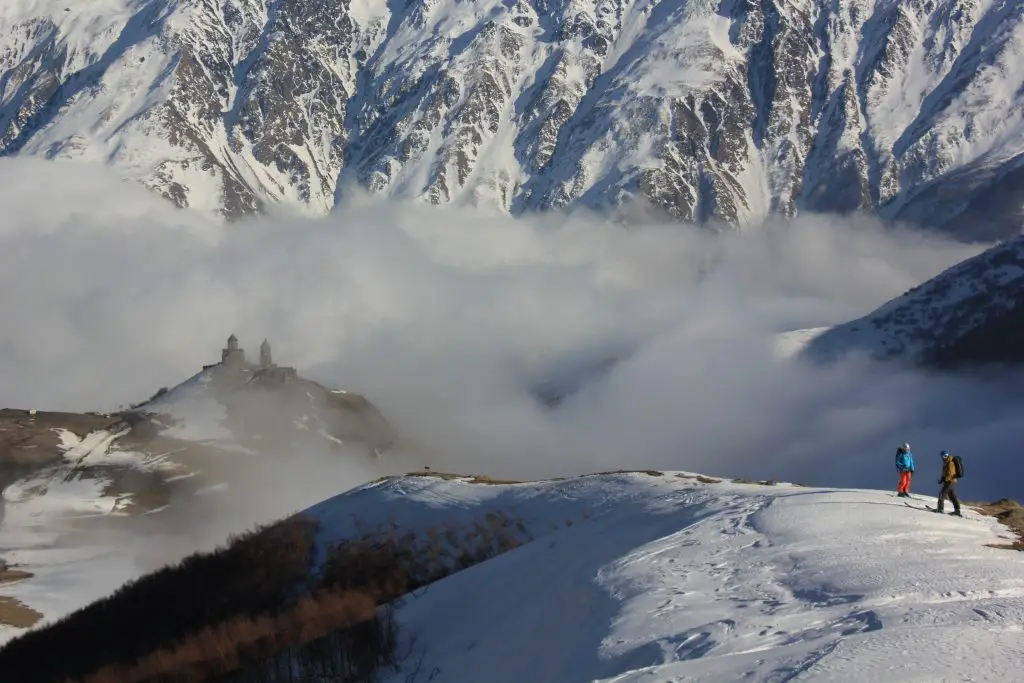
[[722, 109], [663, 578], [968, 314]]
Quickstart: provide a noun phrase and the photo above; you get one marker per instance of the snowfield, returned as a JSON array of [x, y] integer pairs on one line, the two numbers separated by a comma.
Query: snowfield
[[636, 577], [793, 343], [657, 577], [197, 415]]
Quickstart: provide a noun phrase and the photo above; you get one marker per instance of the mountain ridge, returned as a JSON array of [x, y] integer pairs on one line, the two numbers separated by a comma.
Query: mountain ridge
[[967, 316], [704, 111], [674, 573]]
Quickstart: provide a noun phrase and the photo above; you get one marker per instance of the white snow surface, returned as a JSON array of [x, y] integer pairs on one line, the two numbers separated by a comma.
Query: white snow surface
[[632, 577], [195, 413], [910, 107], [92, 449], [791, 344]]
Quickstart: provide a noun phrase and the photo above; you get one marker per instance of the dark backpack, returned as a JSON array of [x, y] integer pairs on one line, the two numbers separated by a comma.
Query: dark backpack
[[958, 465]]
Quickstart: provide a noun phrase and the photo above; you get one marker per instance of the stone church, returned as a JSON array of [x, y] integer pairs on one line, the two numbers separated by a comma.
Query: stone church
[[232, 358]]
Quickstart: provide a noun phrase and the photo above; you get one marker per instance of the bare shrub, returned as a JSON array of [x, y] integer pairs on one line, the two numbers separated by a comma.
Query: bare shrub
[[701, 478], [341, 633], [264, 606], [256, 573], [650, 473]]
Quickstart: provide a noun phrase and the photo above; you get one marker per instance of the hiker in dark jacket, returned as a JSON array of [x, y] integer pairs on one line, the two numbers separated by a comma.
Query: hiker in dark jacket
[[948, 481], [905, 467]]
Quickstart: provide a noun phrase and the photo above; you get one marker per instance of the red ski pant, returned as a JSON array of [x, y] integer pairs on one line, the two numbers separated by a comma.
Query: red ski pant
[[904, 482]]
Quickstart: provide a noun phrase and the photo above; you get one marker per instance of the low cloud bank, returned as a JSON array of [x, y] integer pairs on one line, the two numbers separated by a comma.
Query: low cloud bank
[[660, 340]]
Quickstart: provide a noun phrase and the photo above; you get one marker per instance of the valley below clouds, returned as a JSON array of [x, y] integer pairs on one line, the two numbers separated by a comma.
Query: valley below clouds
[[539, 346]]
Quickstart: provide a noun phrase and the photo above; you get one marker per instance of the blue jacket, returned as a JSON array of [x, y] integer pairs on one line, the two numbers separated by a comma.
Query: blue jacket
[[904, 461]]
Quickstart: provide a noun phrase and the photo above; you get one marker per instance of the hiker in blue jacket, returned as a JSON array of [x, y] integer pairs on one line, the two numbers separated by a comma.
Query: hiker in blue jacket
[[905, 466]]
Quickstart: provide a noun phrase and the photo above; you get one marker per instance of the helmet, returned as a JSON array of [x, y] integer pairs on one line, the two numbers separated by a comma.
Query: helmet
[[944, 454], [905, 446]]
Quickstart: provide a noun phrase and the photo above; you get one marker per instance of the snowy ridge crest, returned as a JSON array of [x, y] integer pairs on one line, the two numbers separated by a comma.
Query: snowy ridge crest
[[679, 576], [966, 315], [706, 110]]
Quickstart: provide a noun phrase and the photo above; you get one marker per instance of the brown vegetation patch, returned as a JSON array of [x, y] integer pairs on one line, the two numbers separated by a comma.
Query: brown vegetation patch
[[340, 635], [700, 477], [12, 575], [485, 479], [14, 612], [650, 473], [138, 491], [253, 574], [1010, 513], [469, 478], [763, 482]]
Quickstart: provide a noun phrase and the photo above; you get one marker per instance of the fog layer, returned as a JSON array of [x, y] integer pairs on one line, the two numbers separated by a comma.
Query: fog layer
[[454, 322]]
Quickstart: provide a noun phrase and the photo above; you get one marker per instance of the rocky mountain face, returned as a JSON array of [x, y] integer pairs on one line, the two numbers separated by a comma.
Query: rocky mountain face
[[703, 109], [969, 315]]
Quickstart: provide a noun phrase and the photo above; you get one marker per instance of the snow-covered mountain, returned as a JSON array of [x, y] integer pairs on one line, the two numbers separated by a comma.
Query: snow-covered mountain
[[665, 576], [970, 314], [725, 109]]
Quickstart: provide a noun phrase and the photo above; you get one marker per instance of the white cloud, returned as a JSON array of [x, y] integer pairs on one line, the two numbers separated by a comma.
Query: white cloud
[[447, 319]]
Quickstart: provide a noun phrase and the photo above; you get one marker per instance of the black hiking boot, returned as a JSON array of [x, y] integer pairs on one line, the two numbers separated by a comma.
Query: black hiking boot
[[955, 513], [939, 510]]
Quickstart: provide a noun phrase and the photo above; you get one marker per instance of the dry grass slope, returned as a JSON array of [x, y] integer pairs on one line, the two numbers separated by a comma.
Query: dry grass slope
[[469, 478], [361, 640], [763, 482], [8, 575], [1010, 513], [15, 613], [701, 478], [650, 473]]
